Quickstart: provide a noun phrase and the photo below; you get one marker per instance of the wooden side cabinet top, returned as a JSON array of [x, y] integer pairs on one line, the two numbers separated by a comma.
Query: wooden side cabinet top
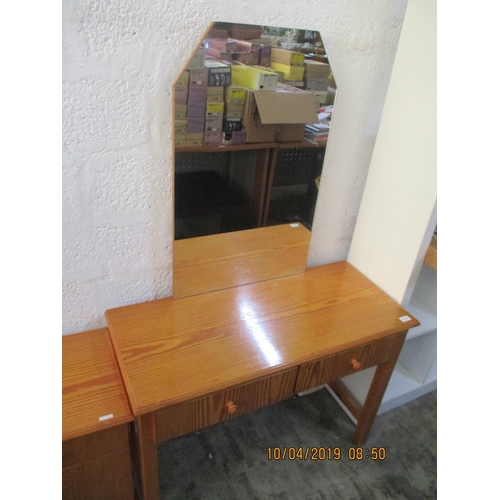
[[93, 395]]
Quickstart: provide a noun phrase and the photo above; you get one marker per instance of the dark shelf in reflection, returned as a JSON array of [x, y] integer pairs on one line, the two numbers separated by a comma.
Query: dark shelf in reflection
[[205, 203]]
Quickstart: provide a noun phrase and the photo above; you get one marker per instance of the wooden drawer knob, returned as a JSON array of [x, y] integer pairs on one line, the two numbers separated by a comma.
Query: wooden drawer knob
[[355, 364], [231, 408]]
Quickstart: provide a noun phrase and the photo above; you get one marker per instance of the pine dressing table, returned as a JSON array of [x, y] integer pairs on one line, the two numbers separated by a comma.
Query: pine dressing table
[[191, 362]]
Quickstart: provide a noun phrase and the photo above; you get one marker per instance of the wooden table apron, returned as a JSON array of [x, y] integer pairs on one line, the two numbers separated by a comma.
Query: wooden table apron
[[191, 362]]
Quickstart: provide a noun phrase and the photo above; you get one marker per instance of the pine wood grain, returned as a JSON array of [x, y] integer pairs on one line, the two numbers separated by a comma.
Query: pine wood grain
[[340, 365], [104, 478], [219, 261], [172, 351], [376, 392], [95, 445], [199, 413], [148, 457], [91, 385]]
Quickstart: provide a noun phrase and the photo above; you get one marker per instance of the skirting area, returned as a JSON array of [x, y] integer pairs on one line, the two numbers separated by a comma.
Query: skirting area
[[230, 460]]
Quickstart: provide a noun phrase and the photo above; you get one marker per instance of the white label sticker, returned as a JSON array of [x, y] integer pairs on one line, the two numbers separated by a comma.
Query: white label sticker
[[294, 225], [106, 417], [404, 319]]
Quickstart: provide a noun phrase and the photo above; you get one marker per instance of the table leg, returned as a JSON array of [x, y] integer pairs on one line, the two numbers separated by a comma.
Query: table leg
[[376, 393], [269, 184], [148, 457], [260, 186]]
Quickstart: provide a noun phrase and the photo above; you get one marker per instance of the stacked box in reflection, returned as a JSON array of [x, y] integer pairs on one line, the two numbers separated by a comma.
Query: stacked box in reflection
[[235, 103], [180, 110], [197, 98], [218, 78], [291, 64]]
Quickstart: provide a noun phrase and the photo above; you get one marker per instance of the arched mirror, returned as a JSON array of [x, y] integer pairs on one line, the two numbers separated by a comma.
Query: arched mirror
[[252, 115]]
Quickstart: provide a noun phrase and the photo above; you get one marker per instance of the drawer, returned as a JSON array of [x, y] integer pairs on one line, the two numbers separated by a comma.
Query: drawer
[[95, 445], [199, 413], [344, 363]]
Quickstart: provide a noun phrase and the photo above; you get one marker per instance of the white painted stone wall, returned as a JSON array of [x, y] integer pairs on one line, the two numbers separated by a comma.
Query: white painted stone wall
[[120, 58]]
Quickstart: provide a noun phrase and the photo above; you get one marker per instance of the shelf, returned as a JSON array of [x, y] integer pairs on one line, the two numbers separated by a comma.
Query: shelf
[[428, 321], [304, 144], [417, 356], [248, 146], [423, 303], [223, 149]]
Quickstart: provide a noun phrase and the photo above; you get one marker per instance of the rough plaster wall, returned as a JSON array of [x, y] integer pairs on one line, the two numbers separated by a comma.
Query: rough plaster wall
[[120, 59]]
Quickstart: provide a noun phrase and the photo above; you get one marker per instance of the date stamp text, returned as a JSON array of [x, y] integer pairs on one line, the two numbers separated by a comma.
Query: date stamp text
[[325, 453]]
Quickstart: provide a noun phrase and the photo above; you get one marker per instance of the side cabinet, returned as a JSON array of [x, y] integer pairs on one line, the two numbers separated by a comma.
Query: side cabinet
[[96, 421], [98, 466]]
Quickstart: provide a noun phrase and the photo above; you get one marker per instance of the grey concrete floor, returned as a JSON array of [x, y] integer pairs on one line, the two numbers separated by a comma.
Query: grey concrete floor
[[230, 460]]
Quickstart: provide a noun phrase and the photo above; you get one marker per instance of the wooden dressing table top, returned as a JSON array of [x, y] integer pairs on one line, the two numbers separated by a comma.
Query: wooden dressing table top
[[172, 351], [91, 385], [225, 260]]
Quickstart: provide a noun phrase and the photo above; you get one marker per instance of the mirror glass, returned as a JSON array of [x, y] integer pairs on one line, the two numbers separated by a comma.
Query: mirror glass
[[252, 115]]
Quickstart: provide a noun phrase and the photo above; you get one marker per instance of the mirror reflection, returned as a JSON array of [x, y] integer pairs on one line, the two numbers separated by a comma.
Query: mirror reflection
[[252, 116]]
